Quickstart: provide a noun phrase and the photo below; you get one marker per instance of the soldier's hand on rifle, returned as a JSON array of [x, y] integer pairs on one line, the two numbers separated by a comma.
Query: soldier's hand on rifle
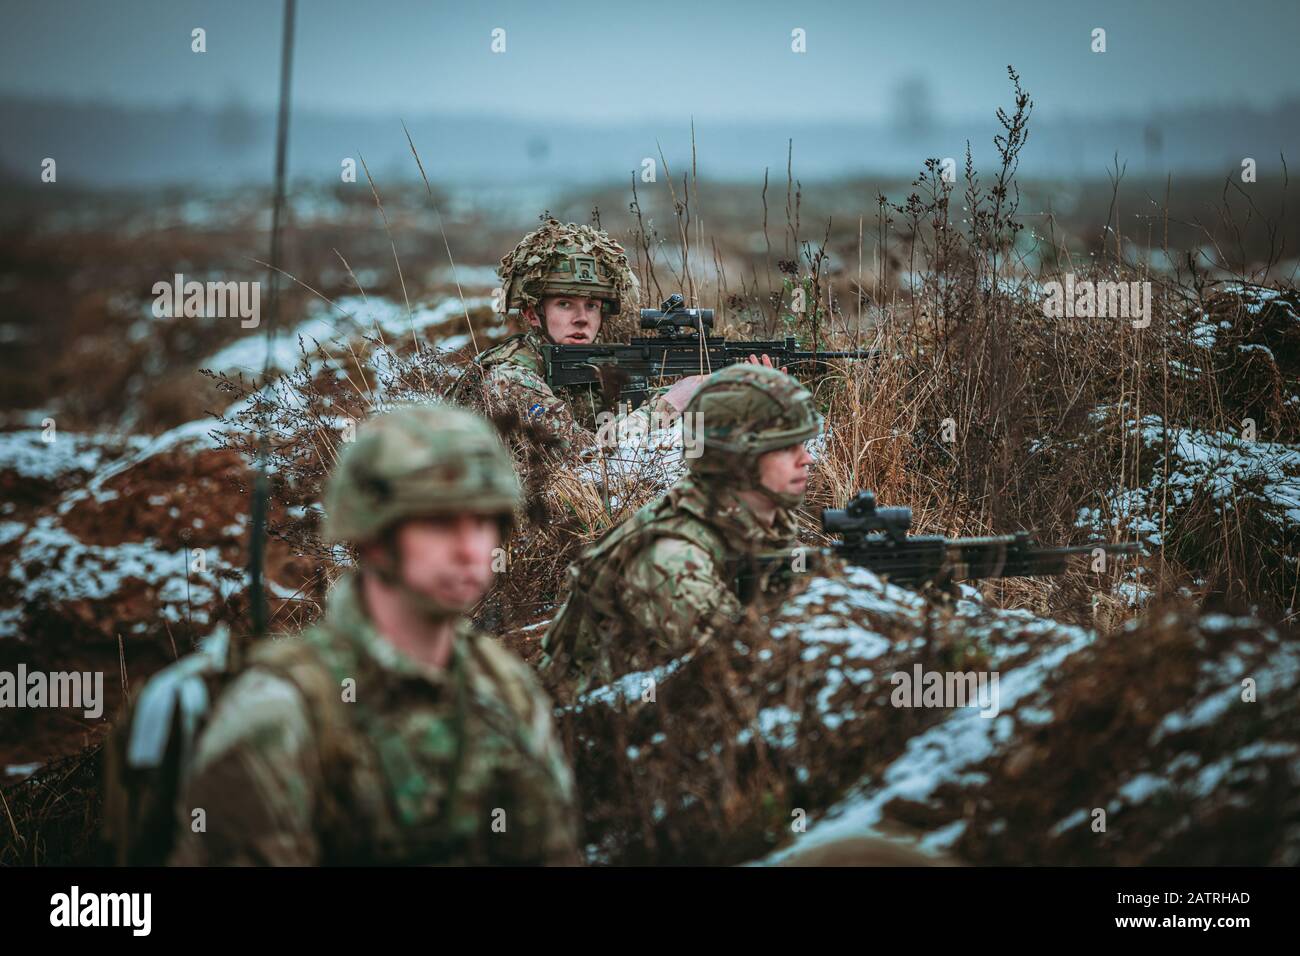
[[764, 360]]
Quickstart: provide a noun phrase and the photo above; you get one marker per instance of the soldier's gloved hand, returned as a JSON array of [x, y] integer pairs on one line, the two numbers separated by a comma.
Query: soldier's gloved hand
[[679, 396]]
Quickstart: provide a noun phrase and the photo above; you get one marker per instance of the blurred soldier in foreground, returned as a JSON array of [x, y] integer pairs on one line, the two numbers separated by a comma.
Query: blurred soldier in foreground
[[676, 571], [391, 732], [566, 281]]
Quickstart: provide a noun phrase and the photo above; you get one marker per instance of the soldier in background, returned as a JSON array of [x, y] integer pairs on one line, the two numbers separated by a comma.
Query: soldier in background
[[567, 281], [677, 571], [391, 732]]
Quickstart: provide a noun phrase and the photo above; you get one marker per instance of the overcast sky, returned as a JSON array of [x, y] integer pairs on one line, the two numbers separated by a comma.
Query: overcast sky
[[595, 61]]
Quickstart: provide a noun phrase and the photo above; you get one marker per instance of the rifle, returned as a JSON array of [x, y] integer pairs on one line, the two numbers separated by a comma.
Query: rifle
[[682, 345], [876, 538]]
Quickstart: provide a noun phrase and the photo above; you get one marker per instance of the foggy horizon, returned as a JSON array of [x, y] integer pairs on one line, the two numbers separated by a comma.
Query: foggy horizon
[[724, 62]]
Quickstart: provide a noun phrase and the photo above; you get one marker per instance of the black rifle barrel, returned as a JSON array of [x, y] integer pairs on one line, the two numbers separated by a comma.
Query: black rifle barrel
[[876, 538]]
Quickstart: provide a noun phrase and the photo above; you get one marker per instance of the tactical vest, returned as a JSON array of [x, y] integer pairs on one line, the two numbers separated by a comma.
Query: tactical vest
[[374, 799], [573, 642], [386, 803]]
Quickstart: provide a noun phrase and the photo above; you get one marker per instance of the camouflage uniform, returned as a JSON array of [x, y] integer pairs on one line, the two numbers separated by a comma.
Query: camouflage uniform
[[562, 259], [335, 747], [659, 582], [416, 770], [682, 567], [515, 372]]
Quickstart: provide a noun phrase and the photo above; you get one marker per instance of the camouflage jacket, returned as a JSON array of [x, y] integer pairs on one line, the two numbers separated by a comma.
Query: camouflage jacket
[[660, 583], [515, 371], [414, 766]]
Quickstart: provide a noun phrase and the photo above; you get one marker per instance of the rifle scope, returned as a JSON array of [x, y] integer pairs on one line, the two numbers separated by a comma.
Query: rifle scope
[[673, 314], [861, 516]]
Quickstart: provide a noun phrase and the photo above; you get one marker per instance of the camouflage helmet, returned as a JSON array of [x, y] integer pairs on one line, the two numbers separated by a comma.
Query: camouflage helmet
[[418, 461], [567, 259], [744, 411]]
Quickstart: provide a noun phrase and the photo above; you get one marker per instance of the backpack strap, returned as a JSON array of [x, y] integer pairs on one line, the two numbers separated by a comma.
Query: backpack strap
[[148, 753], [606, 559], [339, 744], [176, 694], [510, 678]]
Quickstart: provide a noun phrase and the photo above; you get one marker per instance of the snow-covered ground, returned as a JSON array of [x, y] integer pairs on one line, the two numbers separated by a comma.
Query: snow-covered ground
[[1219, 466], [346, 321], [853, 635], [821, 673]]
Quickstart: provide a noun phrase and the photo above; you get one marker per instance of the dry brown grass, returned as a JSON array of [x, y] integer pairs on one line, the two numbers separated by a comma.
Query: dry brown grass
[[985, 416], [1040, 414]]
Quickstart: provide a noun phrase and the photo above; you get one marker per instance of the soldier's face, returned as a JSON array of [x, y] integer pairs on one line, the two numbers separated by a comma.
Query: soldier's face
[[570, 319], [450, 559], [785, 470]]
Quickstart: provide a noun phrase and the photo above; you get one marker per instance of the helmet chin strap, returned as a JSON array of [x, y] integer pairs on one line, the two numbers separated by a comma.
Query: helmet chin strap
[[541, 324], [782, 499], [427, 609]]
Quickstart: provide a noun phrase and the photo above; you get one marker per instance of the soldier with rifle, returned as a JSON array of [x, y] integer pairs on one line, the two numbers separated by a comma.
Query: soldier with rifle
[[723, 540], [567, 281], [665, 579], [683, 345]]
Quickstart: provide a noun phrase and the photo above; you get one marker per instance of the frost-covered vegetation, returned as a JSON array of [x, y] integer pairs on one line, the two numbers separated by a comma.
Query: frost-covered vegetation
[[1121, 690]]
